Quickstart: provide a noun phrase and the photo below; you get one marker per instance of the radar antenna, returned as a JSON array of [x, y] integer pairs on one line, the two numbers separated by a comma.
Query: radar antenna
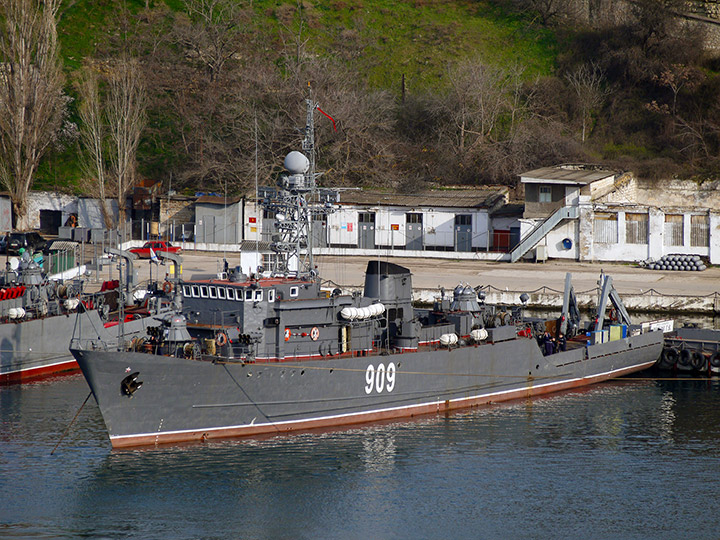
[[296, 201]]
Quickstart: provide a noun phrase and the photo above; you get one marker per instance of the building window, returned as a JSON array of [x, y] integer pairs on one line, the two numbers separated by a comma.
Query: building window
[[605, 229], [463, 219], [270, 262], [699, 231], [545, 195], [673, 230], [636, 228]]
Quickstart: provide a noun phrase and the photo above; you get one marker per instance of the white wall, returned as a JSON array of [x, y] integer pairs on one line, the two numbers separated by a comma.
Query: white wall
[[343, 226], [45, 200], [439, 228], [384, 219], [480, 229], [90, 212], [252, 231], [554, 240]]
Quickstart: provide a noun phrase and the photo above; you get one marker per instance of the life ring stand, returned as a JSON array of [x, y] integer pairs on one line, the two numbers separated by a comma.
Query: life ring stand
[[167, 287], [221, 339]]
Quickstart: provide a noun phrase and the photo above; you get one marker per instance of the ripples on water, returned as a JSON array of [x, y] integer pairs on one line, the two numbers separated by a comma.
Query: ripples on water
[[630, 459]]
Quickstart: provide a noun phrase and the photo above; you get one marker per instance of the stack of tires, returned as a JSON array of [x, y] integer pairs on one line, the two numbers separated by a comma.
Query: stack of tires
[[690, 263]]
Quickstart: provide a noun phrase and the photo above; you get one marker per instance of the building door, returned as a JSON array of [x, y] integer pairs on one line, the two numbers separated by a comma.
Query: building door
[[268, 226], [463, 232], [514, 237], [319, 230], [50, 221], [366, 230], [413, 231]]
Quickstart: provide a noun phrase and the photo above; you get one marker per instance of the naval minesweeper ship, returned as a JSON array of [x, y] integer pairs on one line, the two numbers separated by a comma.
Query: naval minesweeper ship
[[272, 352]]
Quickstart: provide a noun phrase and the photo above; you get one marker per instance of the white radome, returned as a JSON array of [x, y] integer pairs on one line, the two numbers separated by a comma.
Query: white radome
[[296, 162]]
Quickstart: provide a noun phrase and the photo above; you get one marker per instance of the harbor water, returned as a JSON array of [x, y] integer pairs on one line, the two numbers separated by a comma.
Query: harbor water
[[634, 458]]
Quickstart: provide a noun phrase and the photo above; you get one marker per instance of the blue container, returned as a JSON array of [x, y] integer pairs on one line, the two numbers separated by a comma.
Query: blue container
[[567, 243]]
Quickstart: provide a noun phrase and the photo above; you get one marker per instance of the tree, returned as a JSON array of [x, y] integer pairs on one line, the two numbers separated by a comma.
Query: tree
[[93, 135], [587, 82], [212, 33], [126, 117], [32, 103]]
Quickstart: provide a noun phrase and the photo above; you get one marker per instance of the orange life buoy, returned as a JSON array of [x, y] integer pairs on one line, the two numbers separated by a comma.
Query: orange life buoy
[[167, 287], [287, 334], [314, 333], [221, 339]]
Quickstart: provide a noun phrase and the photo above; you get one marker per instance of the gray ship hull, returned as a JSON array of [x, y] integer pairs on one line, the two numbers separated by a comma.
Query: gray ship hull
[[35, 348], [187, 399]]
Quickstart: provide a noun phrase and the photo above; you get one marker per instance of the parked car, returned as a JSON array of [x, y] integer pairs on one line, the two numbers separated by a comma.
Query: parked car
[[30, 241], [158, 246]]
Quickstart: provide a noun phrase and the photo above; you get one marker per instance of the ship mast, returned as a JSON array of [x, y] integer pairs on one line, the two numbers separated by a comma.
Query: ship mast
[[296, 201]]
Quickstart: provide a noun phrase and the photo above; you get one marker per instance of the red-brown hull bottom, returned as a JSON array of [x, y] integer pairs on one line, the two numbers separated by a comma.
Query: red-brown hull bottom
[[367, 417], [35, 374]]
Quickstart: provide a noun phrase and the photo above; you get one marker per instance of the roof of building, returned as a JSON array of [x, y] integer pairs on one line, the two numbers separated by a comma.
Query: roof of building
[[481, 197], [570, 173], [213, 199]]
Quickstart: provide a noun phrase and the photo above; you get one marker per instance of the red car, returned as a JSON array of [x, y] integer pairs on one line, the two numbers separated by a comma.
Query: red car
[[158, 246]]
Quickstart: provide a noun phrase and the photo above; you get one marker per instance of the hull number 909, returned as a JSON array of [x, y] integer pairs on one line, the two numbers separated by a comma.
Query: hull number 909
[[380, 379]]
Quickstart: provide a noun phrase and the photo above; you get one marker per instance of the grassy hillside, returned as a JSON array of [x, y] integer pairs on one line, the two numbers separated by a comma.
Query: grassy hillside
[[380, 40]]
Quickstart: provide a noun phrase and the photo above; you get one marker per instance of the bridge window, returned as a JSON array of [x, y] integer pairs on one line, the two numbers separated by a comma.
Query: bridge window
[[271, 295], [195, 291], [230, 293], [248, 294], [221, 293], [258, 296], [187, 291], [203, 291]]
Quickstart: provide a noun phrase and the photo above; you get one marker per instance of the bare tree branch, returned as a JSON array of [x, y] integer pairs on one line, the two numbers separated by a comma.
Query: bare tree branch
[[32, 104]]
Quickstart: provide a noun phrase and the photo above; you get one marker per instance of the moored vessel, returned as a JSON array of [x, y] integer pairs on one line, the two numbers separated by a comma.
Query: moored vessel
[[38, 316], [271, 351]]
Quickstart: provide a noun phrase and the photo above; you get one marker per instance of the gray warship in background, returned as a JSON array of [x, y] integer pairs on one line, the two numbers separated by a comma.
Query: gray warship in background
[[38, 316], [273, 352]]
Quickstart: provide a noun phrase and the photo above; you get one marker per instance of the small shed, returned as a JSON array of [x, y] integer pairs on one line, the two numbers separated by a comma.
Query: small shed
[[218, 220]]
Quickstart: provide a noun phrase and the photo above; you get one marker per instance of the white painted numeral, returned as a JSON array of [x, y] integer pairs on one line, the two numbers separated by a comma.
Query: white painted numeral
[[390, 377], [369, 378], [380, 379]]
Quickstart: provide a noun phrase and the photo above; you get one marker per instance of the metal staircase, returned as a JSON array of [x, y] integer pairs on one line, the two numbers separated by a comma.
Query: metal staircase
[[541, 230]]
